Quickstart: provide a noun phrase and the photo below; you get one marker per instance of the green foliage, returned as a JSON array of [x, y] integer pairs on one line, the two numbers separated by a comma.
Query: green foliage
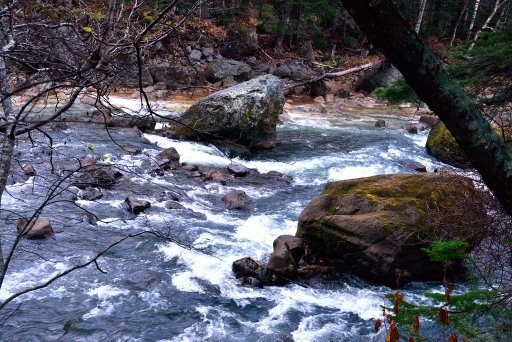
[[487, 60], [447, 250], [87, 29], [398, 93]]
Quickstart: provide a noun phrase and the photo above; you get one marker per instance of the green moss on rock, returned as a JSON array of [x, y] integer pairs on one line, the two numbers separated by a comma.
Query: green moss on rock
[[442, 145], [374, 225]]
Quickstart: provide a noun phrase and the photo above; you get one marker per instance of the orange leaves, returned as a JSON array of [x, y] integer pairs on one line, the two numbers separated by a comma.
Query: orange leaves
[[398, 300], [447, 293], [415, 323], [393, 335], [452, 338], [443, 316], [377, 325]]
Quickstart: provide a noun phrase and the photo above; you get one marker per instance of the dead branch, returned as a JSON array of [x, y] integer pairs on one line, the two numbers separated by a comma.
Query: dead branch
[[330, 75]]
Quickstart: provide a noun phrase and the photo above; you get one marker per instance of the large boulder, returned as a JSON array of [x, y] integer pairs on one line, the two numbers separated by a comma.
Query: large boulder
[[442, 145], [293, 71], [380, 77], [242, 41], [224, 68], [375, 227], [176, 76], [245, 114], [96, 175], [39, 230]]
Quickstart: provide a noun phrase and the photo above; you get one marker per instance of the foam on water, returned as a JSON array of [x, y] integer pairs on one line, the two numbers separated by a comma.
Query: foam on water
[[191, 152]]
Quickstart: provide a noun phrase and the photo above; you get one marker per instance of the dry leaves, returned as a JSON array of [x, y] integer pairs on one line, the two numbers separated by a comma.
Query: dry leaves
[[443, 316], [415, 323], [452, 338], [377, 325], [393, 335]]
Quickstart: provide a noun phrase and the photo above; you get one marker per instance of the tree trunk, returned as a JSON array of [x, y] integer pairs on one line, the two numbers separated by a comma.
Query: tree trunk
[[459, 19], [420, 16], [473, 18], [284, 9], [495, 8], [424, 72]]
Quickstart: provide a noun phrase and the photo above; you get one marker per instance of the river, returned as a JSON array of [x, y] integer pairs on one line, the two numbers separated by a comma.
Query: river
[[155, 290]]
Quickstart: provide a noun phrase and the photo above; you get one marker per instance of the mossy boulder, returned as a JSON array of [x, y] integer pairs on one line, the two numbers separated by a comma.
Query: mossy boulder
[[442, 145], [245, 114], [375, 227]]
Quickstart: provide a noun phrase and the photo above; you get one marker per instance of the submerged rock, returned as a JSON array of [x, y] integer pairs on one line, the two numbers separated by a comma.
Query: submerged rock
[[375, 227], [245, 114], [40, 230]]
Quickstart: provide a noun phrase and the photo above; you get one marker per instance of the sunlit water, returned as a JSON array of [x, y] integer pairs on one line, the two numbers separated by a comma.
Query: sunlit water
[[157, 291]]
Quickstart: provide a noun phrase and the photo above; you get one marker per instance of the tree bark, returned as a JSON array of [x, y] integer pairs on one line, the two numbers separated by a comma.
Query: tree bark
[[284, 10], [495, 8], [425, 73], [459, 19], [420, 16], [473, 18]]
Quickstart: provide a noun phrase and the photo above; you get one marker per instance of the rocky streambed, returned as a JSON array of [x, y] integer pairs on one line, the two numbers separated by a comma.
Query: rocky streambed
[[218, 209]]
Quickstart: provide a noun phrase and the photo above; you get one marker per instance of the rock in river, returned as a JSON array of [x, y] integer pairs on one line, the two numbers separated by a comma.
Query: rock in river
[[375, 227], [245, 114]]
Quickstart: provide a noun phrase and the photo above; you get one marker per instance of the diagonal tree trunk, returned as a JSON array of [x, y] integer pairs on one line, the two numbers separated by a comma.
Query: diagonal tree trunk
[[380, 21]]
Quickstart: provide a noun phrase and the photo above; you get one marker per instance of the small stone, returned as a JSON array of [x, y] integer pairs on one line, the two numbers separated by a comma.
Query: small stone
[[136, 206], [236, 199], [380, 123], [237, 169], [28, 169], [40, 230], [195, 57], [173, 205]]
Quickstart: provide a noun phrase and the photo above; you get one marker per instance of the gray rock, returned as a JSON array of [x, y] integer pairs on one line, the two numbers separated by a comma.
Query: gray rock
[[292, 71], [40, 229], [318, 88], [245, 114], [173, 205], [223, 68], [90, 194], [98, 175], [381, 77], [237, 169], [195, 57], [207, 52]]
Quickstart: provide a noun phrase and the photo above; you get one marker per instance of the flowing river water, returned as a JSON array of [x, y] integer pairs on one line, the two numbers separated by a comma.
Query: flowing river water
[[155, 290]]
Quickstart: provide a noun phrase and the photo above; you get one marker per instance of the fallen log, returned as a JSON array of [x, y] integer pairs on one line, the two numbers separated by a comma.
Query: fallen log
[[330, 75]]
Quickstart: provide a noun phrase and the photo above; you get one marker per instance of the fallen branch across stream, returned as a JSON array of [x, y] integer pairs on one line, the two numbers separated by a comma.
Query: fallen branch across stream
[[330, 75]]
